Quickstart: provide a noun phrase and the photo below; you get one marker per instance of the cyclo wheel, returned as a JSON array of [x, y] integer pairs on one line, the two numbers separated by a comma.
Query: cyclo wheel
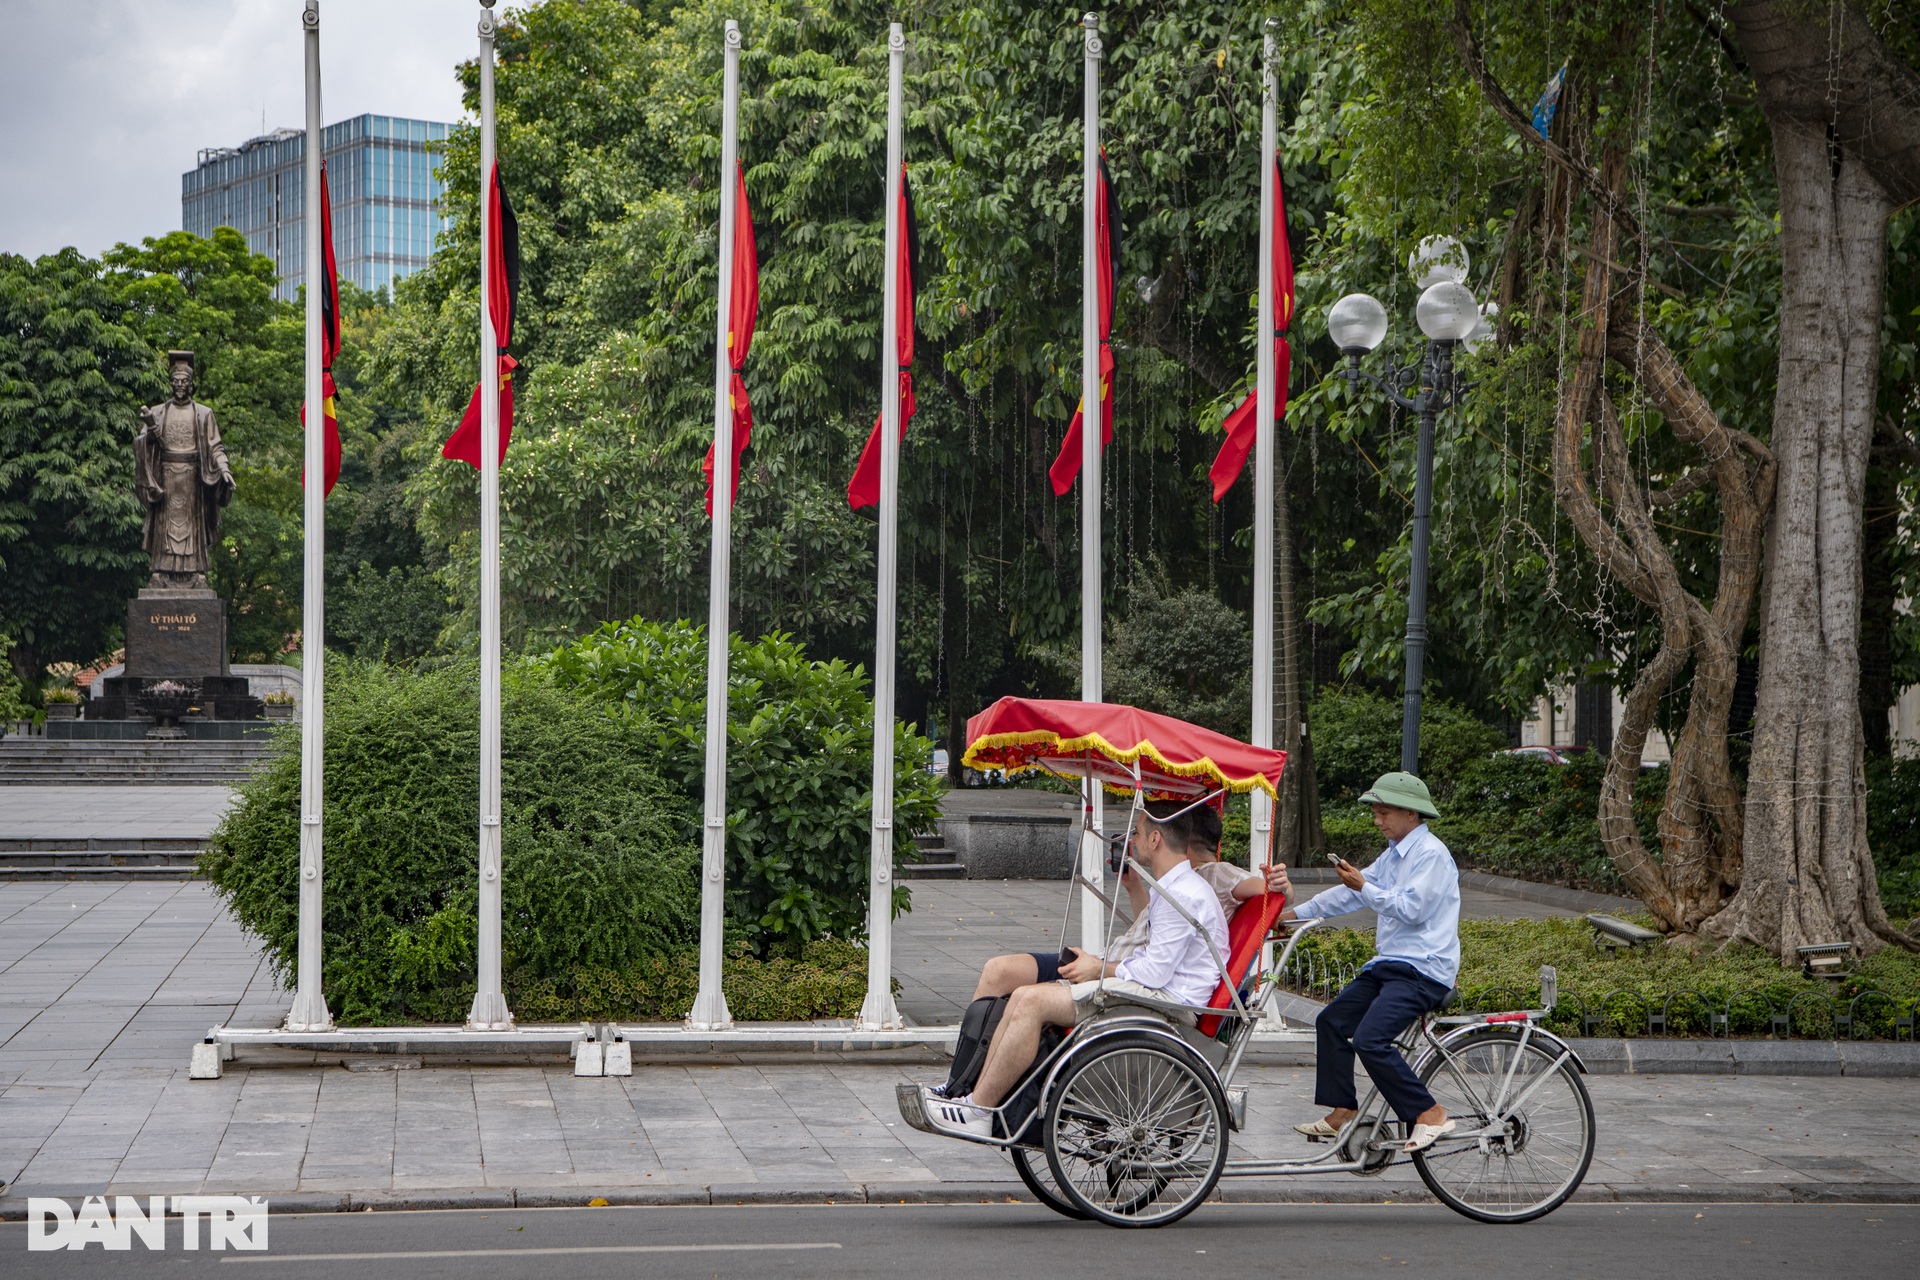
[[1035, 1172], [1136, 1134], [1538, 1157]]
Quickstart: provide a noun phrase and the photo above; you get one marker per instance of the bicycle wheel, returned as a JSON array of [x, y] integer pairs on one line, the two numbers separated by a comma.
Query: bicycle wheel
[[1541, 1123], [1034, 1171], [1136, 1135]]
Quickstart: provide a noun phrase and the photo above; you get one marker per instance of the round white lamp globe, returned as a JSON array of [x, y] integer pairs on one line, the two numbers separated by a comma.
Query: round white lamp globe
[[1438, 258], [1357, 323], [1447, 311]]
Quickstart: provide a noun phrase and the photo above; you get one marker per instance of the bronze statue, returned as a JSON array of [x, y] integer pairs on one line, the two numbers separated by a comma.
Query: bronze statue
[[182, 478]]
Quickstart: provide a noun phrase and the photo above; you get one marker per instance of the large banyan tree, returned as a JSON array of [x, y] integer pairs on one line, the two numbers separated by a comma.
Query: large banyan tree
[[1665, 292]]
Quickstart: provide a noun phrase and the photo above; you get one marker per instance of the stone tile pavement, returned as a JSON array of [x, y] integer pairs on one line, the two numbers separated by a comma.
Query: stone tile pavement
[[828, 1128], [111, 813]]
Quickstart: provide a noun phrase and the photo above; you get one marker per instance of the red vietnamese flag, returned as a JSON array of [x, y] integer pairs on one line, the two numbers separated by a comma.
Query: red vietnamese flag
[[329, 341], [1239, 424], [503, 288], [742, 310], [1106, 237], [864, 489]]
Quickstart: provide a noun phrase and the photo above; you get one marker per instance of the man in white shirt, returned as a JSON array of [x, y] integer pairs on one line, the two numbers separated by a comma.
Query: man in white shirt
[[1178, 963], [1414, 889]]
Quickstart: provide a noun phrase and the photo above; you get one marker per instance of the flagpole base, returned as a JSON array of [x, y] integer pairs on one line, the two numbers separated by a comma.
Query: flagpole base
[[489, 1012], [879, 1014], [710, 1013], [309, 1013]]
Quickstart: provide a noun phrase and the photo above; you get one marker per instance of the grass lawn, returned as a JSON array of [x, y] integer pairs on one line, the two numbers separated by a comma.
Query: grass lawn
[[1500, 964]]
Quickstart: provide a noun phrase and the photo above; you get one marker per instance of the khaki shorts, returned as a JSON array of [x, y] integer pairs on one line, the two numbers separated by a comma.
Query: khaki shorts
[[1084, 992]]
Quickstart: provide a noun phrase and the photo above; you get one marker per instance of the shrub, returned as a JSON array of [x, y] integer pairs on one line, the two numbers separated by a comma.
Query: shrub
[[1182, 654], [799, 769], [597, 867], [1500, 966], [828, 980], [1356, 738]]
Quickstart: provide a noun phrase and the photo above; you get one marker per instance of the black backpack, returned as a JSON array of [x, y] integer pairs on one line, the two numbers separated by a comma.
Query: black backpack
[[970, 1049]]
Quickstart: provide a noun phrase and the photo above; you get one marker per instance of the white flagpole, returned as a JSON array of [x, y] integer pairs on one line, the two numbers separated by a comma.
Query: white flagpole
[[309, 1010], [1092, 852], [1263, 466], [1260, 845], [878, 1012], [710, 1005], [489, 1011]]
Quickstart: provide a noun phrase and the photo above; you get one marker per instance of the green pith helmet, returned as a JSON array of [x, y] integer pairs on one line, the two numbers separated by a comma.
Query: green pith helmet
[[1404, 791]]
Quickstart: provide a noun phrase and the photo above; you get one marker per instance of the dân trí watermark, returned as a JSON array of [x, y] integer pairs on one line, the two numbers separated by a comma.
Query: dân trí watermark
[[233, 1222]]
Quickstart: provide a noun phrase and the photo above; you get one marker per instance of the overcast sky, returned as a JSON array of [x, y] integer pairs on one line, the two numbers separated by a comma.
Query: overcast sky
[[104, 103]]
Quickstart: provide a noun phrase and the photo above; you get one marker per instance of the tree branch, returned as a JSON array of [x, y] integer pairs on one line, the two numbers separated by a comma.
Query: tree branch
[[1823, 66], [1522, 124]]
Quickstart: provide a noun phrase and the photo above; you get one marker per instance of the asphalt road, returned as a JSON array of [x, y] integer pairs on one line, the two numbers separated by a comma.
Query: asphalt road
[[1009, 1242]]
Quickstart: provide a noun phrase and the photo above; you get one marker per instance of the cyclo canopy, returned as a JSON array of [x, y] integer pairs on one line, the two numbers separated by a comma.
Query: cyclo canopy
[[1127, 749]]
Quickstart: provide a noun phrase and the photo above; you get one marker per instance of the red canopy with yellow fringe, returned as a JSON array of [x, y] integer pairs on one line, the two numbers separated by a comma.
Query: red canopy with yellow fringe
[[1104, 740]]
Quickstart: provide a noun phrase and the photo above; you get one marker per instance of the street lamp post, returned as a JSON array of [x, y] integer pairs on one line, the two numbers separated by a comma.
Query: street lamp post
[[1448, 316]]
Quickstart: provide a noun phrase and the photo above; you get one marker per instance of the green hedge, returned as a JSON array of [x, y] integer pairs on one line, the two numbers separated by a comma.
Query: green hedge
[[828, 980], [799, 769], [1500, 966], [1356, 738], [598, 868]]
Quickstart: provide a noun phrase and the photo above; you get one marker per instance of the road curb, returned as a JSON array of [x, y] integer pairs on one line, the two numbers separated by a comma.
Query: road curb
[[1296, 1192]]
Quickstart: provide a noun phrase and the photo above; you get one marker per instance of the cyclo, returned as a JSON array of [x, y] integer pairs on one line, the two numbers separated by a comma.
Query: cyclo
[[1126, 1118]]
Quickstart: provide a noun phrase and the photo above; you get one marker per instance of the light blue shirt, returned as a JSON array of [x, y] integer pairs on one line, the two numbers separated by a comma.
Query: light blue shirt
[[1415, 890]]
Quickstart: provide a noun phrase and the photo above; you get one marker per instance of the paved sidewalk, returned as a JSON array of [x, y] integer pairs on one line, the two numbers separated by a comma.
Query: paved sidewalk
[[104, 986], [829, 1131]]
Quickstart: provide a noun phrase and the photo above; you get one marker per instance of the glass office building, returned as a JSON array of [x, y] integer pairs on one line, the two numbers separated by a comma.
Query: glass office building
[[380, 174]]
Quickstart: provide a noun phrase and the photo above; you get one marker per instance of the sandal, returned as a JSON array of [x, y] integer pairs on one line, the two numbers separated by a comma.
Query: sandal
[[1318, 1130], [1425, 1135]]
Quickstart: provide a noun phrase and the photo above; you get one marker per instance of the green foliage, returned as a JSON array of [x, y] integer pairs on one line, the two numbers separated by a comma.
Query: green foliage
[[1893, 832], [395, 616], [799, 768], [1181, 653], [13, 704], [73, 373], [827, 980], [1500, 968], [1356, 738], [597, 870]]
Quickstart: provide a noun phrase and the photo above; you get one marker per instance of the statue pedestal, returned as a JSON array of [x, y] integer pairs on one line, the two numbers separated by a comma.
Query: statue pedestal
[[176, 665], [178, 632]]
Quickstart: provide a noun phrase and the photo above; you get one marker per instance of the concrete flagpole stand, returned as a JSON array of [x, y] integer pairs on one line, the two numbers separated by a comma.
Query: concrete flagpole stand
[[1093, 923], [878, 1013], [489, 1010], [309, 1010], [710, 1005]]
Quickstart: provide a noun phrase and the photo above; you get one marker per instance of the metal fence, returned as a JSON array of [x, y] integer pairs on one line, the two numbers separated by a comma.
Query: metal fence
[[1868, 1015]]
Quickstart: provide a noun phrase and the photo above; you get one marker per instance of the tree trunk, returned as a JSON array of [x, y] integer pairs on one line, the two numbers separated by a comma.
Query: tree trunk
[[1808, 876], [1877, 694]]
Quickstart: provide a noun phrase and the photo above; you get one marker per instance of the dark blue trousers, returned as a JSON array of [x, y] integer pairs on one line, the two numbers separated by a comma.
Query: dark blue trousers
[[1365, 1019]]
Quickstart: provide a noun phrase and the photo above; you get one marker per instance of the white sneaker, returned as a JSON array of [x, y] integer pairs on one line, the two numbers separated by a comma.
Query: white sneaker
[[960, 1113]]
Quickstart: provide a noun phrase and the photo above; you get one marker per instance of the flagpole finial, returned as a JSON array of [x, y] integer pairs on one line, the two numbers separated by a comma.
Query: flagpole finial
[[1091, 21]]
